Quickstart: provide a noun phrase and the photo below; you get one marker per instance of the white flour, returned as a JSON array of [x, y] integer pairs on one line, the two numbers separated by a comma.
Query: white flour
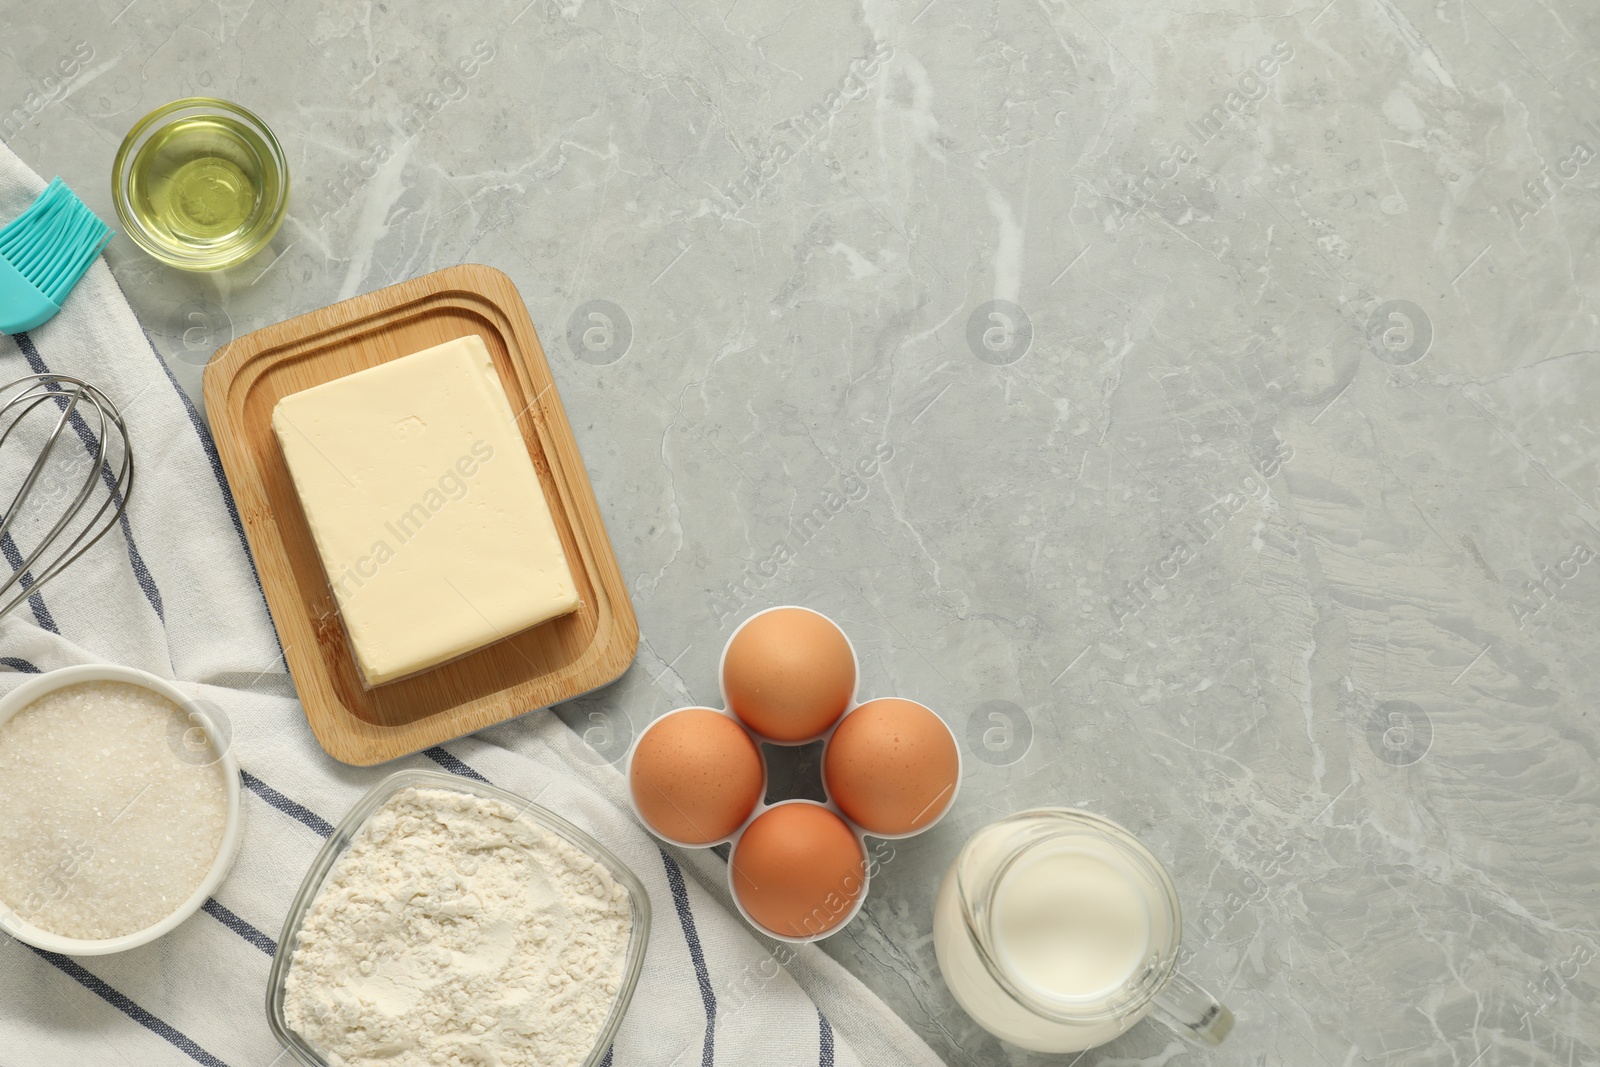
[[453, 933]]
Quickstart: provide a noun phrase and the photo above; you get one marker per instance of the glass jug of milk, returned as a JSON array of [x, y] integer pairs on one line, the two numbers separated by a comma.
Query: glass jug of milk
[[1057, 931]]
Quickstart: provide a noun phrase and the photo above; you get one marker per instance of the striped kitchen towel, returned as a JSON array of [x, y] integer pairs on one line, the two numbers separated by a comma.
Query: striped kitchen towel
[[174, 593]]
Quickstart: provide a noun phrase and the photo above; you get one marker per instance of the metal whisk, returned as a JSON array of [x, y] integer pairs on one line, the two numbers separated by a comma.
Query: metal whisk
[[95, 459]]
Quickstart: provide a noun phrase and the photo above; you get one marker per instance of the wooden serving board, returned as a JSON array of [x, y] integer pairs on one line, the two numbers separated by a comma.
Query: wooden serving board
[[537, 667]]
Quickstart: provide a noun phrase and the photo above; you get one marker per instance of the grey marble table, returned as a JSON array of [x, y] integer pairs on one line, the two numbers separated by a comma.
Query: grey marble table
[[1232, 372]]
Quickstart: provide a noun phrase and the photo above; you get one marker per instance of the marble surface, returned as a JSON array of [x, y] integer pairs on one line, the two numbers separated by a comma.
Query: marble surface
[[1232, 371]]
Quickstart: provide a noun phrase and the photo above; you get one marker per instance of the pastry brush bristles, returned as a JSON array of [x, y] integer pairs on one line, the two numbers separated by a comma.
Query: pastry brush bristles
[[54, 241]]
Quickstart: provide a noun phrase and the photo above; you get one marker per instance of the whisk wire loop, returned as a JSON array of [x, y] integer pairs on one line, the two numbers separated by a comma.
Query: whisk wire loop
[[111, 469]]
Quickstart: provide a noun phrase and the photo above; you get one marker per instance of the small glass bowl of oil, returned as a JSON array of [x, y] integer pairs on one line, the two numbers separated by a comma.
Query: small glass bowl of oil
[[201, 184]]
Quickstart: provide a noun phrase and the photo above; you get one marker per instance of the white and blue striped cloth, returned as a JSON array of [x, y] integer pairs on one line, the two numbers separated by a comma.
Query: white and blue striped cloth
[[174, 593]]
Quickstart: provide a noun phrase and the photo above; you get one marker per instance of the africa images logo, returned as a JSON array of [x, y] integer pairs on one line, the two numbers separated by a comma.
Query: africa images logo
[[852, 487], [1542, 189], [803, 128], [599, 332], [1195, 534], [454, 484], [999, 732], [1399, 732], [51, 88], [1249, 88], [999, 332]]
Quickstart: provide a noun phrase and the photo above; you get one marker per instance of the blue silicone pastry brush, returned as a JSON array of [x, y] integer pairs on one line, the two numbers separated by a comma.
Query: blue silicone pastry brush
[[43, 253]]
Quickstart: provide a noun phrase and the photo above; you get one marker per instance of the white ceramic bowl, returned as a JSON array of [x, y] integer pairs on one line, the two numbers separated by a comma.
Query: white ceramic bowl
[[50, 681]]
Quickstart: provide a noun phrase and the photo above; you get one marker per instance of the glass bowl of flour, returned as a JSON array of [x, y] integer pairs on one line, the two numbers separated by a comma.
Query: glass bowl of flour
[[449, 921]]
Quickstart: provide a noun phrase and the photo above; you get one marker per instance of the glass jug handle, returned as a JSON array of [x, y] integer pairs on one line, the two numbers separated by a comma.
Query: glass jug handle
[[1191, 1011]]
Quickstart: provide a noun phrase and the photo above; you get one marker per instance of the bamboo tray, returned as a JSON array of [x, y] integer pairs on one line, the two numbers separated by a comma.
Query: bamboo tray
[[534, 668]]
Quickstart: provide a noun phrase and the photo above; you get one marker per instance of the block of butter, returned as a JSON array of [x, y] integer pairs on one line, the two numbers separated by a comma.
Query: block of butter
[[425, 507]]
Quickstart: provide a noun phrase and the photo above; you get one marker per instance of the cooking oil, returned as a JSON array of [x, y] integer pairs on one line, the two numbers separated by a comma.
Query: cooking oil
[[202, 182]]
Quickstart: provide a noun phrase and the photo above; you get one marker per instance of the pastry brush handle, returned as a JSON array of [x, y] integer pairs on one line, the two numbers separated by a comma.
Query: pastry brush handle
[[22, 305]]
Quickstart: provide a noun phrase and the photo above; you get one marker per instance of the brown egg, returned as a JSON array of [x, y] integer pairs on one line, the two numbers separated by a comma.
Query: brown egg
[[891, 766], [696, 776], [798, 869], [789, 674]]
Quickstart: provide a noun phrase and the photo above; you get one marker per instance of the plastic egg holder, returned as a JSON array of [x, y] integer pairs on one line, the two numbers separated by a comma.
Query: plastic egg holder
[[859, 832]]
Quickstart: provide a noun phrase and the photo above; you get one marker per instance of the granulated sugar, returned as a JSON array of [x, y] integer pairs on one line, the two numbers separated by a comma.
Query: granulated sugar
[[106, 825], [454, 932]]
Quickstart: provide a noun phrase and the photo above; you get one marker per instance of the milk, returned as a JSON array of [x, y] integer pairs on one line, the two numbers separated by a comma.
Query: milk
[[1070, 926]]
